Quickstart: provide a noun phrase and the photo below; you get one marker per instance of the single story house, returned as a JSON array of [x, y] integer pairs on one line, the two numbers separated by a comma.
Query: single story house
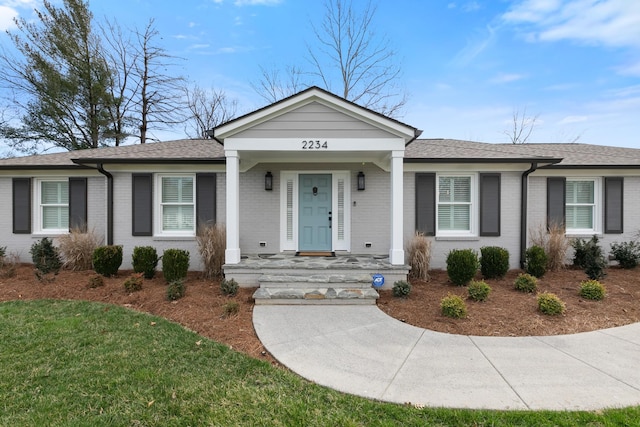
[[314, 173]]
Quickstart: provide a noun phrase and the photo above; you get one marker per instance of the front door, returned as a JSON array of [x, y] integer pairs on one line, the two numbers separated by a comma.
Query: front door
[[314, 219]]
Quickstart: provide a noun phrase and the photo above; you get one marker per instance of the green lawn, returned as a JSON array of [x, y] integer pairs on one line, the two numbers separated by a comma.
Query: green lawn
[[87, 364]]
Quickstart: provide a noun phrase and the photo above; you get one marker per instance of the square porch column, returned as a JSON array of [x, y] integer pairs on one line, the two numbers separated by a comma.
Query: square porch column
[[396, 253], [232, 252]]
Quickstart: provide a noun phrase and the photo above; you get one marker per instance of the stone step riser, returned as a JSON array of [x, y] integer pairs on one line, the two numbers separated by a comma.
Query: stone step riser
[[329, 295]]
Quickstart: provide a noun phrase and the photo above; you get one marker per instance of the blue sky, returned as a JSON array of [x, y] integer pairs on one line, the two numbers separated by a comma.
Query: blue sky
[[467, 65]]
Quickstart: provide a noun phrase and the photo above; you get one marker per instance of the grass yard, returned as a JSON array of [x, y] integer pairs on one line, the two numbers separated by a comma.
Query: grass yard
[[69, 363]]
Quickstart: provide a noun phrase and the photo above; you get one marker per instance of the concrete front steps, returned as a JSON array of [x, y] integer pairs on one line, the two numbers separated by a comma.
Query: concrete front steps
[[315, 289]]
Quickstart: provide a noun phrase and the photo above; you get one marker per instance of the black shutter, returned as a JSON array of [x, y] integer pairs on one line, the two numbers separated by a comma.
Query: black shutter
[[426, 203], [142, 192], [78, 204], [613, 204], [205, 198], [556, 201], [22, 205], [489, 204]]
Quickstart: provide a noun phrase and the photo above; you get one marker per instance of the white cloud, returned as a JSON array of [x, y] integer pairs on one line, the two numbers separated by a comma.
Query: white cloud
[[597, 22], [7, 14], [573, 119], [507, 78], [629, 69], [475, 46], [471, 6]]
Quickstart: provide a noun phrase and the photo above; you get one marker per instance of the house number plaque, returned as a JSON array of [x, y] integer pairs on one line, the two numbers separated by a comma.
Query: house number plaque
[[314, 144]]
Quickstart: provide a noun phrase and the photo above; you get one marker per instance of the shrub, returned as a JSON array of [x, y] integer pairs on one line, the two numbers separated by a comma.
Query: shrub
[[494, 262], [549, 303], [462, 265], [535, 261], [175, 290], [77, 247], [526, 283], [419, 257], [554, 242], [133, 283], [589, 257], [145, 260], [231, 308], [592, 289], [212, 241], [95, 281], [401, 288], [8, 264], [175, 264], [453, 306], [479, 290], [3, 251], [229, 287], [107, 260], [626, 253], [46, 258]]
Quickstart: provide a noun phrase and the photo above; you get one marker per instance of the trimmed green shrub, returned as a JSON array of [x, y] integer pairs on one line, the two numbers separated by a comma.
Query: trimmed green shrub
[[133, 283], [550, 304], [401, 288], [526, 283], [536, 261], [453, 306], [107, 260], [46, 258], [229, 287], [175, 290], [462, 266], [478, 290], [494, 262], [145, 261], [592, 289], [95, 281], [626, 253], [231, 308], [589, 257], [175, 264]]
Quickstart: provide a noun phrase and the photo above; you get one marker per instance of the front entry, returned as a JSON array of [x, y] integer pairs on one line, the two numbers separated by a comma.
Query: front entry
[[314, 220]]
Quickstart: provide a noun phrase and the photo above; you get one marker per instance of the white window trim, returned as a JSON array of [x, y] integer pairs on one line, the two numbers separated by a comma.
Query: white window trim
[[597, 208], [37, 208], [158, 215], [473, 209]]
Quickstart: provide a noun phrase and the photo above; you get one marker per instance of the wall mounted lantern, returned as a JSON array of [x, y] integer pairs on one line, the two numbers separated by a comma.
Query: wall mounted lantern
[[268, 181], [360, 181]]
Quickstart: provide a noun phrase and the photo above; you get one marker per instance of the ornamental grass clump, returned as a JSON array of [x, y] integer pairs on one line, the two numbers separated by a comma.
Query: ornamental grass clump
[[592, 289], [479, 290], [553, 240], [401, 289], [175, 290], [229, 287], [77, 247], [494, 262], [462, 266], [453, 306], [212, 240], [175, 264], [145, 260], [526, 283], [107, 260], [550, 304], [419, 257]]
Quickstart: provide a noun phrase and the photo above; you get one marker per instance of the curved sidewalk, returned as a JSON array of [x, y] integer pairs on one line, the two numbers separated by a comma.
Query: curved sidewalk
[[362, 351]]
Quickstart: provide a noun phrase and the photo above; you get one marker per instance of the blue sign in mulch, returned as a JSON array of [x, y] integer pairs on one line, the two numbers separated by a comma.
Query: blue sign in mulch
[[378, 280]]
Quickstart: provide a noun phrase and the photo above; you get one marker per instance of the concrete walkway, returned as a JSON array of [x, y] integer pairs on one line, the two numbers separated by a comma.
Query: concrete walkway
[[362, 351]]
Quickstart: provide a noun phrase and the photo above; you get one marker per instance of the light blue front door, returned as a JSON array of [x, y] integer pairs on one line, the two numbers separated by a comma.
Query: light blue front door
[[315, 212]]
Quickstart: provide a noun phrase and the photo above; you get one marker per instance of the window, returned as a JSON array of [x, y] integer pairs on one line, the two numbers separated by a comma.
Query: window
[[53, 206], [581, 202], [177, 205], [455, 204]]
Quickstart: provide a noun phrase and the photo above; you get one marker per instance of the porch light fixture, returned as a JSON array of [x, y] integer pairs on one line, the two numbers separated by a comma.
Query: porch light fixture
[[360, 181], [268, 181]]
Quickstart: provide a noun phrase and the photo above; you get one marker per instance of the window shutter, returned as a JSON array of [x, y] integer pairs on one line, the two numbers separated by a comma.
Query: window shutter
[[22, 205], [556, 199], [613, 204], [489, 204], [205, 198], [426, 203], [78, 203], [142, 194]]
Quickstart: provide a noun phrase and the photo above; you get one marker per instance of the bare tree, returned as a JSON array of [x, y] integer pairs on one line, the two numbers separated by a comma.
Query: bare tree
[[207, 108], [354, 58], [274, 87], [523, 126]]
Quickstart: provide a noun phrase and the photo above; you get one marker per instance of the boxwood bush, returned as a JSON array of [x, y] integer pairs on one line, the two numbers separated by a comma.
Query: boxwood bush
[[549, 303], [478, 290], [526, 283], [107, 260], [592, 289], [453, 306], [494, 262], [462, 266], [175, 264], [401, 289], [145, 261], [536, 261]]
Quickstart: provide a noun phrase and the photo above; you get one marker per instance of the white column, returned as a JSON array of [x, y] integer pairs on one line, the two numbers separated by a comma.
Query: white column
[[232, 252], [396, 253]]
